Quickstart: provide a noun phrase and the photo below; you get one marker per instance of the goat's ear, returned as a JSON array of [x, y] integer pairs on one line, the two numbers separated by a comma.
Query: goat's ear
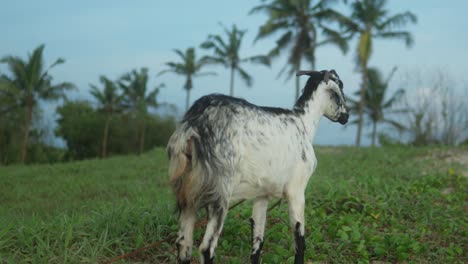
[[310, 73]]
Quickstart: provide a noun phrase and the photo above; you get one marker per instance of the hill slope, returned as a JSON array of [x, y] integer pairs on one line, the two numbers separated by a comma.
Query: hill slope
[[387, 204]]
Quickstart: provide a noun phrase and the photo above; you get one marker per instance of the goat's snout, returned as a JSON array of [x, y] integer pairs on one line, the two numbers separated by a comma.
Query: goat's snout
[[343, 118]]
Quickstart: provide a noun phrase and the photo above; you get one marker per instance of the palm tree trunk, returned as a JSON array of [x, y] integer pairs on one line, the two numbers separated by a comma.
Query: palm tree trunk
[[298, 66], [29, 108], [374, 132], [187, 100], [142, 137], [297, 89], [231, 91], [105, 137], [362, 103]]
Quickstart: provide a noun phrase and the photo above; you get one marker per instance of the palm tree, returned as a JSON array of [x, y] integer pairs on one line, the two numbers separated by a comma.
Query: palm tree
[[189, 67], [226, 53], [377, 107], [29, 82], [298, 21], [370, 20], [109, 102], [7, 104], [137, 98]]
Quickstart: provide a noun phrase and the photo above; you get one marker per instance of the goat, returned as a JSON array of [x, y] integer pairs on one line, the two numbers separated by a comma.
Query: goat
[[228, 149]]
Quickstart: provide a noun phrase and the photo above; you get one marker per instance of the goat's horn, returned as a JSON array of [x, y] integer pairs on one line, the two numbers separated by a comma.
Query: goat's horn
[[299, 73], [326, 77]]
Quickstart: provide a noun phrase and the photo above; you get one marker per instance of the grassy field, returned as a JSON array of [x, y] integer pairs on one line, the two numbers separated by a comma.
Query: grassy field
[[397, 205]]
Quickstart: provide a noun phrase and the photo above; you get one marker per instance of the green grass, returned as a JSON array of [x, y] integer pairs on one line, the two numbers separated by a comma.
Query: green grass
[[363, 205]]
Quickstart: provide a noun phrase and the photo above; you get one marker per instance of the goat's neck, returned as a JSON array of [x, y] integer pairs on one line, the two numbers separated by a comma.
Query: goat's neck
[[311, 114]]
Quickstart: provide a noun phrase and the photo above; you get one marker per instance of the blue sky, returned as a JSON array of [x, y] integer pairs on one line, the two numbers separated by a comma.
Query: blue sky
[[113, 37]]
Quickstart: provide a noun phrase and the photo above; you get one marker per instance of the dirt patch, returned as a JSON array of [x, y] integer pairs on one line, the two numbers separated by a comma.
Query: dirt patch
[[447, 161], [457, 158], [461, 158]]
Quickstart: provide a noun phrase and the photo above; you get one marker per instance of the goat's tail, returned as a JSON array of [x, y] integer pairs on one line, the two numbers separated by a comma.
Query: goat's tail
[[193, 173], [181, 152]]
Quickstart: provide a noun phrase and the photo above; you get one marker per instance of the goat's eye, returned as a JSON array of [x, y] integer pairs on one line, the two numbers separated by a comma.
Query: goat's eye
[[337, 98]]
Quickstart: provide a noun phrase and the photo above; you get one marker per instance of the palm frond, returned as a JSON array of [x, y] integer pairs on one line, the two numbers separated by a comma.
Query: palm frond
[[57, 62], [214, 60], [394, 98], [334, 37], [400, 127], [364, 47], [330, 15], [402, 35], [31, 78], [271, 28], [398, 21], [17, 67], [259, 59], [34, 67], [54, 92], [245, 77], [205, 74], [181, 54]]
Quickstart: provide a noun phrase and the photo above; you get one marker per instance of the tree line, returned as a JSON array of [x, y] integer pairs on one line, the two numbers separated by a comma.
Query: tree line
[[303, 27], [123, 107], [116, 122]]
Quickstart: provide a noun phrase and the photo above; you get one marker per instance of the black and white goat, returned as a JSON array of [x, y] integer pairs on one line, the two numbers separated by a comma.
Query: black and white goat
[[228, 149]]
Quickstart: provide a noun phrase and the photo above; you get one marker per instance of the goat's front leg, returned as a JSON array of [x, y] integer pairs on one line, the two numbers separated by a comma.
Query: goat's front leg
[[296, 215], [258, 228], [216, 214], [185, 237]]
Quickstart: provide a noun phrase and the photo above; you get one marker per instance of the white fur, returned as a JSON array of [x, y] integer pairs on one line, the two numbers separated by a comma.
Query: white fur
[[253, 153]]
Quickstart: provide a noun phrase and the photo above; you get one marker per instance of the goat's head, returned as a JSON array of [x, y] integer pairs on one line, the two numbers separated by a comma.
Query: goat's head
[[329, 83]]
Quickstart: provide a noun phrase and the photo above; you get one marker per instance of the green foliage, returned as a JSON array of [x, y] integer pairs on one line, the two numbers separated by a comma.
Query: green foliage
[[81, 127], [386, 140], [10, 139], [362, 205], [29, 81]]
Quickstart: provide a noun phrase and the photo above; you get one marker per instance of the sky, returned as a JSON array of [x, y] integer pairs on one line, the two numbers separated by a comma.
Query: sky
[[112, 37]]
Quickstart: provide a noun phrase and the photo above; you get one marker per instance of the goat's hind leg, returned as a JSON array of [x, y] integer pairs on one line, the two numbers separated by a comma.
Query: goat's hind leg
[[185, 237], [257, 222], [216, 215]]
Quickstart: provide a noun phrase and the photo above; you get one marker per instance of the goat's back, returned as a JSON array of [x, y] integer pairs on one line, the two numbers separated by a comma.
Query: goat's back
[[233, 140]]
